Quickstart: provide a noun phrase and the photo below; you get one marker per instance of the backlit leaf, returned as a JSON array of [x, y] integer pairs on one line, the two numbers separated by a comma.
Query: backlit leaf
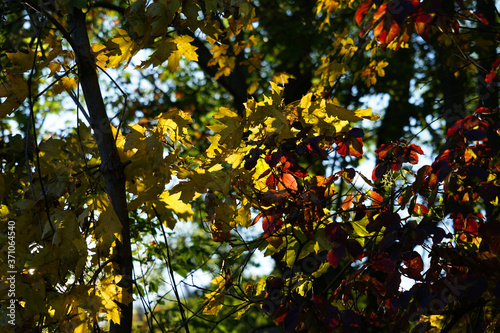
[[15, 91], [120, 49]]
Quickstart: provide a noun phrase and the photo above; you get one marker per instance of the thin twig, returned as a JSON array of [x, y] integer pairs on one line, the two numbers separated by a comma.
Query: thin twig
[[170, 269]]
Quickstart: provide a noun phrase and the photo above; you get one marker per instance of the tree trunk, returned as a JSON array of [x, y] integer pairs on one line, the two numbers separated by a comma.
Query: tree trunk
[[111, 167]]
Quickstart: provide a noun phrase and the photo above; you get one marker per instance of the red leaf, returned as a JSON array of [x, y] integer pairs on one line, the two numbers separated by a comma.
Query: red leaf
[[490, 76], [334, 233], [482, 109], [481, 18], [496, 64], [390, 220], [415, 266], [335, 255], [421, 209], [352, 146], [381, 11], [343, 148], [396, 166], [384, 264], [356, 147], [384, 150], [423, 24], [412, 151], [257, 218], [392, 283], [362, 11], [271, 222], [472, 226], [271, 181]]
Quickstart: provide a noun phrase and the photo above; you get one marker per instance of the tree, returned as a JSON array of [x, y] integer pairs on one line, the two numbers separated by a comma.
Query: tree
[[232, 155]]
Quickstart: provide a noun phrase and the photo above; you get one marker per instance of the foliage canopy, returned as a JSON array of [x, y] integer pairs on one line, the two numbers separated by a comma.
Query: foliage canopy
[[243, 122]]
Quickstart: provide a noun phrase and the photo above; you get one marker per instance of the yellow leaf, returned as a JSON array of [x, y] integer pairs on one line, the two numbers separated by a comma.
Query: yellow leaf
[[216, 298], [380, 67], [260, 168], [174, 123], [168, 204], [341, 113], [323, 268], [121, 49], [366, 114], [304, 287], [68, 83], [305, 102], [110, 292], [99, 51], [16, 91], [184, 48], [108, 227], [244, 217], [163, 51], [215, 149], [22, 61], [253, 87], [82, 328], [226, 71], [4, 210], [282, 78], [2, 187], [173, 61], [54, 67], [229, 128], [173, 202]]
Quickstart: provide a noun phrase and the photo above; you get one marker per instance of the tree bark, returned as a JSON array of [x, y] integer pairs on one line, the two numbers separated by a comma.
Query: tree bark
[[111, 167]]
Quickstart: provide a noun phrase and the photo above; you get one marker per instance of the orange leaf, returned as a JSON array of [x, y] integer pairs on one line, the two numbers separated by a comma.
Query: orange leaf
[[347, 202], [288, 181], [375, 197]]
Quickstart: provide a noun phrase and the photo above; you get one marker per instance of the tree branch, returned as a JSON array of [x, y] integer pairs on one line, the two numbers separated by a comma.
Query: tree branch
[[111, 166]]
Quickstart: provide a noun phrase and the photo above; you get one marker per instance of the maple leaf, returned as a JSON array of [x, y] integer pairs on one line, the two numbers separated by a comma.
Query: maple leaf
[[16, 91], [169, 203], [161, 14], [185, 49], [111, 295], [22, 61], [215, 300], [174, 123], [120, 49]]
